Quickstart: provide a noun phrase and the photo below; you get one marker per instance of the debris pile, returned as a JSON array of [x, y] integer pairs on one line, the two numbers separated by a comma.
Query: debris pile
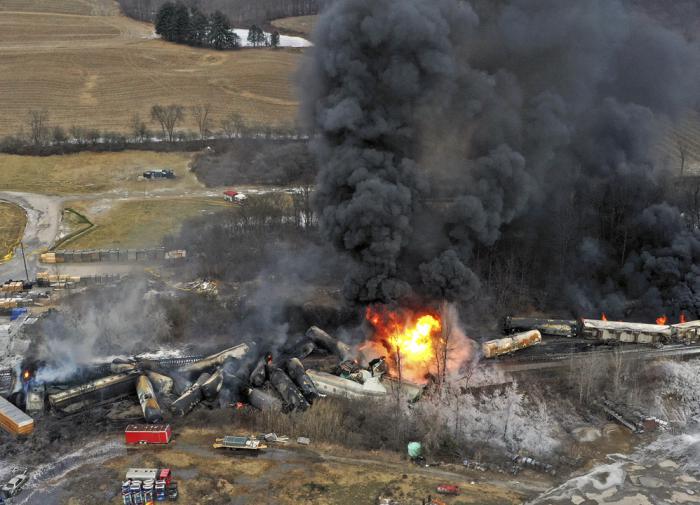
[[232, 377]]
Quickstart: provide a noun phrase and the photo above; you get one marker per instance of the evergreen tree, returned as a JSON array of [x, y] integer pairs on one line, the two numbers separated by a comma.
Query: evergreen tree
[[256, 37], [275, 39], [182, 22], [220, 34], [165, 22], [199, 25]]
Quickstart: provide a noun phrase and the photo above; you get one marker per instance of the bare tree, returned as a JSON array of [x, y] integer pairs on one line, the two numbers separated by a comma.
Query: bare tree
[[682, 152], [38, 126], [233, 125], [139, 130], [168, 117], [200, 113], [78, 134]]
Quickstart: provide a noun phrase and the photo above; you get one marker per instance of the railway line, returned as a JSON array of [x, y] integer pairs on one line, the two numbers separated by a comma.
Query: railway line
[[562, 353]]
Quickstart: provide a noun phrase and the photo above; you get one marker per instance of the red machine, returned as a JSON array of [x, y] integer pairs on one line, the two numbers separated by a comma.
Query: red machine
[[165, 475], [148, 434], [449, 489]]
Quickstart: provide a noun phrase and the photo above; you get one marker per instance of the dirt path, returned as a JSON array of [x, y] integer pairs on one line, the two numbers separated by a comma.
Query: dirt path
[[44, 218]]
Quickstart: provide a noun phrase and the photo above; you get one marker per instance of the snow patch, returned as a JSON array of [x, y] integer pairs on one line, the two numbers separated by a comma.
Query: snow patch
[[285, 40]]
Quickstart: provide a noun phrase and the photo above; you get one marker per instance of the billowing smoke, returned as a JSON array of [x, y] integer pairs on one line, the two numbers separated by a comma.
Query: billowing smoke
[[457, 138], [93, 329]]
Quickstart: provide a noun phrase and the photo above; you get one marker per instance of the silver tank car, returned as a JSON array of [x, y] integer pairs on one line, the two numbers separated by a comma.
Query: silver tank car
[[263, 400], [190, 398], [212, 386], [322, 339], [147, 399]]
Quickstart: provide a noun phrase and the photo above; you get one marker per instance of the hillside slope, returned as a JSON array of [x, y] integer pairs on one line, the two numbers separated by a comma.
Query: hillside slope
[[90, 66]]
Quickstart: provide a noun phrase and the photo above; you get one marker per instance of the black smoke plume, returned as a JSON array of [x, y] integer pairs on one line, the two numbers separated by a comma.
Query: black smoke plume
[[455, 139]]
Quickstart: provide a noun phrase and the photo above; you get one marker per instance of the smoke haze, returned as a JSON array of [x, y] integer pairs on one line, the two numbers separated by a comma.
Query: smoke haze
[[454, 138]]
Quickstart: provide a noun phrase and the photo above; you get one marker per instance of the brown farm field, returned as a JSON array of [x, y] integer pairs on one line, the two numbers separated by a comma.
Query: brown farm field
[[303, 25], [89, 172], [90, 66], [12, 223]]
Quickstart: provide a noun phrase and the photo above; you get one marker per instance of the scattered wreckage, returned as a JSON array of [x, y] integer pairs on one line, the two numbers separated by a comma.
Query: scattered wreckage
[[629, 417], [227, 378], [15, 485]]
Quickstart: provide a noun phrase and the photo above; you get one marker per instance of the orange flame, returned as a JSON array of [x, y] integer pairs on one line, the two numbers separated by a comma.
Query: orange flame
[[26, 375], [682, 319], [603, 317], [409, 337], [661, 320]]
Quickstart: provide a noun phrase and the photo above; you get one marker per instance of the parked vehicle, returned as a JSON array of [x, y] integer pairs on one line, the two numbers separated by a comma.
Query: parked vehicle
[[144, 486], [159, 174], [448, 489], [234, 196], [14, 485], [172, 491]]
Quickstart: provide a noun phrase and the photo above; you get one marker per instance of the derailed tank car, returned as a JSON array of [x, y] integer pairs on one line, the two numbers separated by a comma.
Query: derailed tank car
[[624, 332], [501, 346], [551, 327], [94, 393], [687, 333]]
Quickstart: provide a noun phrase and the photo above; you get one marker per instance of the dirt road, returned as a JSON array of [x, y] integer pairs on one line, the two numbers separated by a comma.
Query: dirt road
[[44, 219]]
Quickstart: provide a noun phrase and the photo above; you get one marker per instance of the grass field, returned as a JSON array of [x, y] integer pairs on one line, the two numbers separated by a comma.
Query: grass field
[[137, 223], [89, 172], [89, 66], [12, 223], [303, 25]]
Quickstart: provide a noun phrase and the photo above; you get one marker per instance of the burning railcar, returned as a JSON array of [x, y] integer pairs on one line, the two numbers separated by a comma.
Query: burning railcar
[[625, 332]]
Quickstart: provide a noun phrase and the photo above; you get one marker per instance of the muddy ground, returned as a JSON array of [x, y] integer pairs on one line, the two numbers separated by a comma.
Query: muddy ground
[[91, 472]]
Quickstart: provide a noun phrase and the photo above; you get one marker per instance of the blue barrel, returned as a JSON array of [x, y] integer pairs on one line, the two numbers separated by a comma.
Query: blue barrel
[[17, 312]]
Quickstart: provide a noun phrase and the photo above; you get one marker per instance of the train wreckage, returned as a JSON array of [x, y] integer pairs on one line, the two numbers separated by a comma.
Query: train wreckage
[[175, 386], [318, 365]]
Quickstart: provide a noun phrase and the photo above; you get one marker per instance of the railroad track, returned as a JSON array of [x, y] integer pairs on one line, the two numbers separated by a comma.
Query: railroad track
[[545, 361], [166, 363]]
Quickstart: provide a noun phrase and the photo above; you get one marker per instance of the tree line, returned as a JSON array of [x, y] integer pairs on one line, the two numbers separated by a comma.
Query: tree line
[[164, 125], [177, 22], [240, 12]]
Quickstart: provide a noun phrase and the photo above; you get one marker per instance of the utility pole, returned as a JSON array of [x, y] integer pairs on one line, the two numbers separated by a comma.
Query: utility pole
[[24, 259]]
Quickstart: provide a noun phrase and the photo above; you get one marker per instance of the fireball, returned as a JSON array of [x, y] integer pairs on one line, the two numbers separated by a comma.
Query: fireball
[[409, 338], [661, 320]]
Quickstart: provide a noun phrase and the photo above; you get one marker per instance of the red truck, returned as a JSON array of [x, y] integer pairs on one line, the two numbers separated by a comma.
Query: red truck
[[148, 434]]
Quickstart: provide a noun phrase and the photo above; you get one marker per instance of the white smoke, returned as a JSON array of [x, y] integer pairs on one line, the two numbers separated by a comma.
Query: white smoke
[[92, 329]]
